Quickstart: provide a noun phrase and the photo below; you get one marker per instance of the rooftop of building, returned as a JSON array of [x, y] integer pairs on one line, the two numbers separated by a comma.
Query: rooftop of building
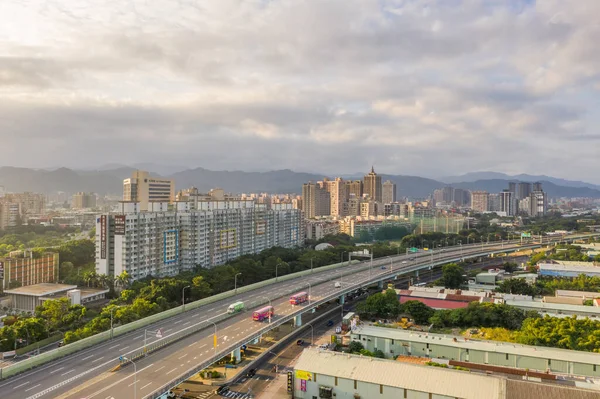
[[566, 263], [42, 289], [537, 305], [85, 293], [401, 375], [487, 346], [577, 294]]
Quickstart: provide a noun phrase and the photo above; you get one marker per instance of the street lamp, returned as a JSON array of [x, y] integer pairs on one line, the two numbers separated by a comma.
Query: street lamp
[[276, 276], [309, 289], [214, 337], [268, 299], [134, 375], [235, 282], [311, 264], [183, 298], [111, 320], [312, 334]]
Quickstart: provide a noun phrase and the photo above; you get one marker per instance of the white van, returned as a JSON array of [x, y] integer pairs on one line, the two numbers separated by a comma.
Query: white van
[[337, 284]]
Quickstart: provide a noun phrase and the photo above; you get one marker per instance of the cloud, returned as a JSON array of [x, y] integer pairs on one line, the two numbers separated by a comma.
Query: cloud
[[416, 87]]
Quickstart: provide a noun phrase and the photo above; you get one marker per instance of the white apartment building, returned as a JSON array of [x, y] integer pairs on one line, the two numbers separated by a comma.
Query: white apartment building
[[163, 242]]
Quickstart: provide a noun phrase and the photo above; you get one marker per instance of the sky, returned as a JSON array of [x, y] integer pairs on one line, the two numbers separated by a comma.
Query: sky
[[428, 88]]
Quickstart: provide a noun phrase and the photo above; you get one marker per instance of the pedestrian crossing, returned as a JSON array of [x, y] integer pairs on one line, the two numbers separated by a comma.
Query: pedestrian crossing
[[237, 395]]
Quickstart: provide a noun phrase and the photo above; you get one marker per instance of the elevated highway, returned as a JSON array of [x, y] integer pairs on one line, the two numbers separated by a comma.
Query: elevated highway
[[188, 345]]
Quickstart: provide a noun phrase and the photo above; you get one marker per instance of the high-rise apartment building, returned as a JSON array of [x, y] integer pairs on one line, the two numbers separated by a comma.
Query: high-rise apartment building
[[508, 203], [523, 190], [338, 195], [83, 201], [372, 186], [512, 187], [26, 268], [163, 242], [30, 203], [142, 188], [480, 201], [10, 214], [461, 197], [389, 192], [538, 203], [537, 186], [315, 200], [355, 187], [494, 203]]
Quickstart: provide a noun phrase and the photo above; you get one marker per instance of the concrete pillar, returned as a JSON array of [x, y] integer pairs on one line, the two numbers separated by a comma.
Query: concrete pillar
[[236, 355], [380, 285], [298, 320], [417, 273], [342, 299]]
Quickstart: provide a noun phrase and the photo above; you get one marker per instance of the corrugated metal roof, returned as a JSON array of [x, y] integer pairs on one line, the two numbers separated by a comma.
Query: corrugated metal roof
[[566, 300], [555, 307], [516, 389], [577, 294], [489, 346], [401, 375], [435, 303]]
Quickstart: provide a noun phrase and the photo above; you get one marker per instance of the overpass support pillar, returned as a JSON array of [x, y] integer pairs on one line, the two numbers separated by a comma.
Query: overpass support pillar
[[380, 285], [416, 273], [342, 299], [298, 320], [236, 355]]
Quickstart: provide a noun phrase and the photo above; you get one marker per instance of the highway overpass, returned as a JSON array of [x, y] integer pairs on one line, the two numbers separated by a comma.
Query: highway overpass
[[189, 334]]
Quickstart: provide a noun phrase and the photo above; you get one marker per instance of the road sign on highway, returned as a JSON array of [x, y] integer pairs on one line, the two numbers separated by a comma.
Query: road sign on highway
[[413, 249]]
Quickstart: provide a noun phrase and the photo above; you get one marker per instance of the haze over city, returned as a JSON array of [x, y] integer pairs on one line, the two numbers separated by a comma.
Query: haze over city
[[415, 87]]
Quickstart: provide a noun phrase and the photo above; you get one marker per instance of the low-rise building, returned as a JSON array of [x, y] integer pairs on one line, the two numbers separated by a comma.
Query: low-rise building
[[326, 374], [394, 342], [555, 268], [26, 299]]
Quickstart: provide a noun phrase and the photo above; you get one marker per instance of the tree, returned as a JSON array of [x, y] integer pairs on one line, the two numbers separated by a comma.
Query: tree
[[452, 276], [510, 267], [123, 279], [419, 311], [517, 286], [200, 288], [355, 347]]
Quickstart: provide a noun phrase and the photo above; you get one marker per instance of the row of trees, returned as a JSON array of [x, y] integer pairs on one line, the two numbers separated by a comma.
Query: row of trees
[[545, 285]]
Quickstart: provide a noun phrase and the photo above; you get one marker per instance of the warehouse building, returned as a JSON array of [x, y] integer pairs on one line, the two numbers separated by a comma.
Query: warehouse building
[[395, 342], [26, 299], [326, 374]]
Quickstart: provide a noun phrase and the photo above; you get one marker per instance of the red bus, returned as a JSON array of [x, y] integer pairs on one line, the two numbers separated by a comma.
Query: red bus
[[299, 298], [264, 313]]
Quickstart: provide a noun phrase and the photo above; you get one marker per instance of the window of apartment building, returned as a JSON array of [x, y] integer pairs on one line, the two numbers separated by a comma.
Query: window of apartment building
[[381, 389], [356, 382], [336, 381], [507, 356]]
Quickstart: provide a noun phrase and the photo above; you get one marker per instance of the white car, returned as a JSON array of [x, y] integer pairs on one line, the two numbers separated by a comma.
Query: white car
[[404, 262], [337, 284]]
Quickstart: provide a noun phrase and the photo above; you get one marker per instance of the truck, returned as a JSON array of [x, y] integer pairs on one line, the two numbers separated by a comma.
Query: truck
[[235, 307]]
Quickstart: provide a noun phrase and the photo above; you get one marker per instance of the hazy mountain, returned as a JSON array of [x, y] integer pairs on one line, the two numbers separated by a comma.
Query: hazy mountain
[[476, 176], [278, 181]]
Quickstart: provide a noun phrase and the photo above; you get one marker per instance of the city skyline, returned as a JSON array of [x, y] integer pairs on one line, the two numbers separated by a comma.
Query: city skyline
[[413, 88]]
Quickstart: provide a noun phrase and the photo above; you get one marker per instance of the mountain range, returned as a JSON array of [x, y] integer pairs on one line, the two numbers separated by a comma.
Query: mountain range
[[109, 180]]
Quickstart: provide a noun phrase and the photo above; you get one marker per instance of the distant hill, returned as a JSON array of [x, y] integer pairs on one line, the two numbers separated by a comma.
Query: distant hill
[[278, 181], [477, 176]]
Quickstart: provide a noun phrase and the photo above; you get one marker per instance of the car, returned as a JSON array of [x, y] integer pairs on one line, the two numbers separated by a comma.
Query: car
[[251, 373], [404, 262], [223, 389], [324, 346], [382, 267], [300, 342], [61, 343], [337, 284], [338, 330], [329, 323]]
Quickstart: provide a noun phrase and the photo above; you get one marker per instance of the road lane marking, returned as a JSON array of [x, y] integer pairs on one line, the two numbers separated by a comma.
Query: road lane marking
[[138, 337], [182, 356], [94, 361], [117, 382], [170, 329], [33, 387], [145, 385], [158, 369], [18, 386], [124, 348], [186, 323], [85, 358], [171, 371], [52, 372], [178, 321], [68, 372], [200, 347], [114, 346]]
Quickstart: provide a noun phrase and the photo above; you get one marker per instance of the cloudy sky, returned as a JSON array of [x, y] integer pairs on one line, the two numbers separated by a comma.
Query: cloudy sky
[[429, 88]]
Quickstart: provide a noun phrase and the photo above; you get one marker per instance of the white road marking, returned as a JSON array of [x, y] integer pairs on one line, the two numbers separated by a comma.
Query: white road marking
[[114, 346], [85, 358], [186, 323], [58, 369], [33, 387], [94, 361], [70, 371], [124, 348], [18, 386], [200, 347], [178, 321], [138, 337], [158, 369], [183, 356], [171, 371]]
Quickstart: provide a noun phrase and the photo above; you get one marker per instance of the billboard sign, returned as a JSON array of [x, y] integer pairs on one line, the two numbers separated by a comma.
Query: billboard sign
[[120, 225], [525, 235], [1, 270], [103, 237]]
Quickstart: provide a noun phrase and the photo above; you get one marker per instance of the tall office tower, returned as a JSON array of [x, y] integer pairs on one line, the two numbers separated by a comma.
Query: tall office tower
[[315, 200], [538, 203], [507, 202], [355, 187], [480, 201], [494, 203], [372, 186], [162, 242], [512, 187], [389, 192], [523, 190], [537, 186], [461, 197], [142, 188], [337, 195], [84, 200]]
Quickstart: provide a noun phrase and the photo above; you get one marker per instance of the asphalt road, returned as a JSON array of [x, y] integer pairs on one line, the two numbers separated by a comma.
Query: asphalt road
[[84, 374]]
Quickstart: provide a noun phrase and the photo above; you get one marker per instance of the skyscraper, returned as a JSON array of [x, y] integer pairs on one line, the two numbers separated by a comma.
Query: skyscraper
[[355, 187], [143, 188], [512, 187], [389, 192], [479, 201], [523, 190], [538, 203], [507, 202], [372, 186], [315, 200], [338, 195], [537, 186], [84, 200]]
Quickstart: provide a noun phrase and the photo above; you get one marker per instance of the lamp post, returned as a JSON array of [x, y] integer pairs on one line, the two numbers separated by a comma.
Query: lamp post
[[311, 264], [309, 289], [183, 298], [214, 338], [312, 334], [235, 282], [276, 274], [268, 299], [111, 320], [134, 375]]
